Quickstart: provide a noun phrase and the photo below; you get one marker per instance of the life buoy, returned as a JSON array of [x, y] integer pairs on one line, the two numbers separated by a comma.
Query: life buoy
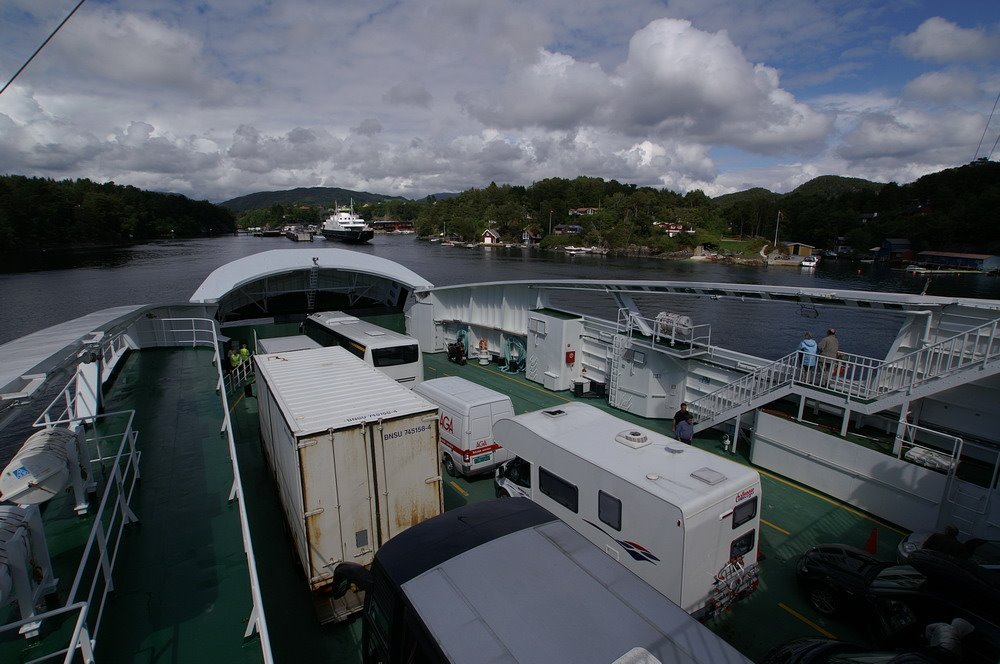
[[483, 345]]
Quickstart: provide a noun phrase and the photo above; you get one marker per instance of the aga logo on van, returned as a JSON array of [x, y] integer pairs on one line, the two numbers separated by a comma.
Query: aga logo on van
[[744, 494], [446, 424]]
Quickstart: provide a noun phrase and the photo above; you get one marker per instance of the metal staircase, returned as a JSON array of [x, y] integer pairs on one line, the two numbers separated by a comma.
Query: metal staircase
[[618, 397], [868, 385], [311, 288]]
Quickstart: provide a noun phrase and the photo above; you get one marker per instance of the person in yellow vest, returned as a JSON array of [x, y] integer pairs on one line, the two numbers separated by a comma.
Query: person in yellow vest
[[244, 352], [234, 358]]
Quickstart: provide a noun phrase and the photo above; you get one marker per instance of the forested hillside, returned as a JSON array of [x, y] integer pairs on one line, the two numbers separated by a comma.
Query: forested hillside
[[625, 217], [952, 210], [37, 213], [319, 196]]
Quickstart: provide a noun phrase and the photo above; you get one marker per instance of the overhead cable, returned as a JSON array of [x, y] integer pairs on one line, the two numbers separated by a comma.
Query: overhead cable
[[39, 49]]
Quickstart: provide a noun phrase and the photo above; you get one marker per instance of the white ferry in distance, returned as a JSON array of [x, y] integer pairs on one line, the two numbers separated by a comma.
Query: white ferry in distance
[[346, 226]]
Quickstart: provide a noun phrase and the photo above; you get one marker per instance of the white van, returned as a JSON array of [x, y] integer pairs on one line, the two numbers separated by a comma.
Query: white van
[[394, 354], [467, 414], [684, 520]]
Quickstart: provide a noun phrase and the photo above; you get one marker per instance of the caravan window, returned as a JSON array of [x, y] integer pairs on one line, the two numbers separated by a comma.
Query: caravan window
[[558, 489], [744, 512], [742, 545], [609, 510]]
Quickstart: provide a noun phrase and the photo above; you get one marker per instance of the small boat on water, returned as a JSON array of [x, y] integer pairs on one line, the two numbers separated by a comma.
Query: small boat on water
[[346, 226], [810, 261]]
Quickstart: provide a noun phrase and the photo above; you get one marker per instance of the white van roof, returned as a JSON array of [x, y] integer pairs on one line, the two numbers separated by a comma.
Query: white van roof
[[683, 475], [458, 392], [328, 388]]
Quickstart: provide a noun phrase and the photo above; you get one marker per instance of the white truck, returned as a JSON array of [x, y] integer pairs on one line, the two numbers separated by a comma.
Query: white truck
[[355, 458], [467, 413], [684, 520]]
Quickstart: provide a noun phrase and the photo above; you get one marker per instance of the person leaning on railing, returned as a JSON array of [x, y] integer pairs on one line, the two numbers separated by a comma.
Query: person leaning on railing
[[807, 351], [828, 348]]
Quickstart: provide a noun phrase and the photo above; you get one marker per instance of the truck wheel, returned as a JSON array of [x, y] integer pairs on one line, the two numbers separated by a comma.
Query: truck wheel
[[449, 466], [502, 493]]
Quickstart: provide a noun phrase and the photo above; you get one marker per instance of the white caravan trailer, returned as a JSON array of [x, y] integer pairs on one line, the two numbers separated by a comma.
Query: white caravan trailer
[[467, 413], [684, 520], [355, 458], [394, 354]]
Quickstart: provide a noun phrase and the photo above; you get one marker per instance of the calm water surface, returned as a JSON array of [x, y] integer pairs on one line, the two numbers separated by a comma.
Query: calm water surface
[[46, 292]]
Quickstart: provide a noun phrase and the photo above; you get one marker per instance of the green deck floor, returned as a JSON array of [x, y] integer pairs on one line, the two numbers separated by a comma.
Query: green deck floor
[[182, 583], [183, 590], [794, 518]]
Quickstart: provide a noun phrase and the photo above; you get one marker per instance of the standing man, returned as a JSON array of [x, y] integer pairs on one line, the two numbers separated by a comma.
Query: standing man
[[828, 349], [685, 430], [680, 415], [244, 352]]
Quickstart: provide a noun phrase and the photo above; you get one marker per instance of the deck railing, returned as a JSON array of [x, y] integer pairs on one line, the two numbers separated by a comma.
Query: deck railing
[[683, 340], [93, 579], [79, 643], [855, 376]]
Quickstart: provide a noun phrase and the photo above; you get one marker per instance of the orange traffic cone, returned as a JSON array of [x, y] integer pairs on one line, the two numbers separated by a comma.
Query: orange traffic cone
[[871, 546]]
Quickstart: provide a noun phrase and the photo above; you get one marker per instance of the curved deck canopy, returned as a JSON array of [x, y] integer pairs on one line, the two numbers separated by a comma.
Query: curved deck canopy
[[296, 280]]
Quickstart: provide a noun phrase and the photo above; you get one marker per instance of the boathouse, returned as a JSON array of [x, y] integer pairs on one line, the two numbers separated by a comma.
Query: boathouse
[[799, 248], [958, 261], [895, 249]]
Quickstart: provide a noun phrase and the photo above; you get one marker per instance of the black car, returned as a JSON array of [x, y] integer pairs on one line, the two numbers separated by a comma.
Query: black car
[[831, 651], [897, 602]]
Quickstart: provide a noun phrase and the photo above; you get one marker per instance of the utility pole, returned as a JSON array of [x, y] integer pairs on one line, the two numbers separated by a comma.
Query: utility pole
[[550, 222], [776, 223]]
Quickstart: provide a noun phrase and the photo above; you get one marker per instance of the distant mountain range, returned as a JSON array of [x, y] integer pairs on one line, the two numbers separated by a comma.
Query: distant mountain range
[[825, 186], [311, 195]]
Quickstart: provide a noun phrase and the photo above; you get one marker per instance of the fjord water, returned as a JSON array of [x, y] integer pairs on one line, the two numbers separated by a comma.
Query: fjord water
[[44, 291]]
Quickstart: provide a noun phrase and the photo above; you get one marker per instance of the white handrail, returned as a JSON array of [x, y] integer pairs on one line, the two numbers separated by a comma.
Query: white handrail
[[79, 640], [194, 332], [857, 376]]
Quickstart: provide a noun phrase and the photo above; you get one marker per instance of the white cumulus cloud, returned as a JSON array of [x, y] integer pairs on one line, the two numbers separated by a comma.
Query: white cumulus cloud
[[940, 40]]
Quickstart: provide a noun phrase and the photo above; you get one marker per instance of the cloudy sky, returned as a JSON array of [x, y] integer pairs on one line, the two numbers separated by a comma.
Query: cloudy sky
[[221, 98]]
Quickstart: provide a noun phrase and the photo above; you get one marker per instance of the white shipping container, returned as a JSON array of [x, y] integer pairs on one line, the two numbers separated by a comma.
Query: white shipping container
[[354, 455]]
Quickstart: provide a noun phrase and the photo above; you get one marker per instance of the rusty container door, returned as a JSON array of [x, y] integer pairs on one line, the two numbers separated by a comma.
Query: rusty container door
[[407, 471], [337, 501]]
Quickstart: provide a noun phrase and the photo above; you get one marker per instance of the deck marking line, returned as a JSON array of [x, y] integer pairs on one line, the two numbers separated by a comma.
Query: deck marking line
[[458, 488], [778, 528], [236, 403], [528, 385], [832, 501], [801, 617]]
